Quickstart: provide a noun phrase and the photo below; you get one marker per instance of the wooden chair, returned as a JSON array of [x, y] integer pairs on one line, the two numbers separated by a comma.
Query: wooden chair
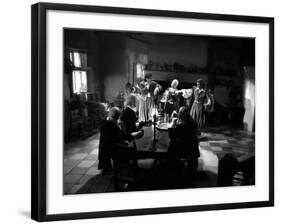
[[236, 171]]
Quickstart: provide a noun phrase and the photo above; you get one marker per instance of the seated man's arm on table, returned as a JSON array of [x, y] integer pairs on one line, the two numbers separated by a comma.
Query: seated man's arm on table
[[137, 134], [141, 124], [127, 134]]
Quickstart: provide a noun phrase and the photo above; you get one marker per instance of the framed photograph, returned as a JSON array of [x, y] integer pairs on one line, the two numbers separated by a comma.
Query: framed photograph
[[139, 111]]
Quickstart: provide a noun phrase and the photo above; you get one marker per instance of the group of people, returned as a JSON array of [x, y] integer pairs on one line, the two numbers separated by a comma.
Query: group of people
[[126, 125], [197, 99], [123, 127]]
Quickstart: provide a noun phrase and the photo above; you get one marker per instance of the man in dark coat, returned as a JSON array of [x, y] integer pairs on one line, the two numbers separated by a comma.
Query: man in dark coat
[[110, 134], [128, 119]]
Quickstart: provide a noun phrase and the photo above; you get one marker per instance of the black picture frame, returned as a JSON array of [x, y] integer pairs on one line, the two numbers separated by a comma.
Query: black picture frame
[[39, 107]]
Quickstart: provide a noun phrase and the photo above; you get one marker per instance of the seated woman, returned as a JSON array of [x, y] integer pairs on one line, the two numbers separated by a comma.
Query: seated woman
[[183, 140], [110, 134]]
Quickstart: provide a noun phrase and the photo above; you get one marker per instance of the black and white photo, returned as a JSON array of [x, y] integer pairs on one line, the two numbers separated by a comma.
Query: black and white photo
[[146, 111]]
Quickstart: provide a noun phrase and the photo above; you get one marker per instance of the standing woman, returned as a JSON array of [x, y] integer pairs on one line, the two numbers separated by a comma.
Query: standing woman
[[149, 91], [197, 109], [142, 96]]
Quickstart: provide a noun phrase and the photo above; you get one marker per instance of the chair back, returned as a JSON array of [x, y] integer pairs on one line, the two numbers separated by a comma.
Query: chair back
[[124, 163]]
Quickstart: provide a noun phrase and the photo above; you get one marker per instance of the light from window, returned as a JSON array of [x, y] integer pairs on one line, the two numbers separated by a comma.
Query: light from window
[[78, 59], [79, 81], [140, 71]]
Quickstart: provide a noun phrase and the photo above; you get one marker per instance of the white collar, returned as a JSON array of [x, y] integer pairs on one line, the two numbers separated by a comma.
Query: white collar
[[132, 108]]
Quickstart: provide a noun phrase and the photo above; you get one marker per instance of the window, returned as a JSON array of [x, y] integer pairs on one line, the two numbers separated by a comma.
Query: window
[[79, 79], [78, 59], [140, 71], [79, 72]]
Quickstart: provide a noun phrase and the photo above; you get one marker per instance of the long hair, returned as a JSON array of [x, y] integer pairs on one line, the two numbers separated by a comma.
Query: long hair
[[183, 115]]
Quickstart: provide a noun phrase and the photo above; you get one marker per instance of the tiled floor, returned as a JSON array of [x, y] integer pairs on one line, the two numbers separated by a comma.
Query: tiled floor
[[224, 140], [80, 159]]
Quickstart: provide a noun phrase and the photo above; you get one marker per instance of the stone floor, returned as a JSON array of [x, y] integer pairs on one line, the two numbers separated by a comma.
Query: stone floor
[[80, 160], [226, 140]]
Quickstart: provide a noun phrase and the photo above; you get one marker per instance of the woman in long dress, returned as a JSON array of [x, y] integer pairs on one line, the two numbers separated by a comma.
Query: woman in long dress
[[197, 110], [148, 92]]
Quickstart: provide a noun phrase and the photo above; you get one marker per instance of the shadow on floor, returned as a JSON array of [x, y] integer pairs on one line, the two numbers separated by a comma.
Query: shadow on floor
[[159, 178]]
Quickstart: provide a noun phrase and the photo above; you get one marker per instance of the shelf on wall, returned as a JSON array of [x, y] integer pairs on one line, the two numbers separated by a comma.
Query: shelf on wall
[[182, 77]]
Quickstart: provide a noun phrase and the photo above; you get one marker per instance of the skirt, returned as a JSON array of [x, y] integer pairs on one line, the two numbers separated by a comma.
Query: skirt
[[197, 113], [143, 112]]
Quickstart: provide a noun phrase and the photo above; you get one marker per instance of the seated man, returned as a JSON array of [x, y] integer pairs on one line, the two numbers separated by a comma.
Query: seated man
[[183, 140], [110, 134], [130, 126], [128, 119]]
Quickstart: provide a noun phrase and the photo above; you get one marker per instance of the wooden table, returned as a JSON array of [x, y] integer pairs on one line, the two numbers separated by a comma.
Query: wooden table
[[144, 144], [208, 160]]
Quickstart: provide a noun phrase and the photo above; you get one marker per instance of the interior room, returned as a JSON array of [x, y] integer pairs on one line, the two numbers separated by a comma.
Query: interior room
[[102, 68]]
